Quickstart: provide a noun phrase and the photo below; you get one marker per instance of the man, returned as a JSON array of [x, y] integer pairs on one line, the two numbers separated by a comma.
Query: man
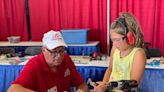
[[51, 71]]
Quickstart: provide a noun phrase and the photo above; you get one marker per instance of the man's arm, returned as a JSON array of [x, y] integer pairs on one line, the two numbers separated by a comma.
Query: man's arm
[[83, 88], [18, 88]]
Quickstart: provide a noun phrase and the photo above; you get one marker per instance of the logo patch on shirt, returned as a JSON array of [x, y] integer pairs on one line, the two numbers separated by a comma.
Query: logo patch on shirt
[[67, 72], [53, 89]]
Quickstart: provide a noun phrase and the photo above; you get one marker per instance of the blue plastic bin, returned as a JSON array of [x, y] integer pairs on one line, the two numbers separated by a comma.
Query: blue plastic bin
[[75, 36]]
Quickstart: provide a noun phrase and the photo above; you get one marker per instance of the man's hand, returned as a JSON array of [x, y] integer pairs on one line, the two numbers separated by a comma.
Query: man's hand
[[82, 88], [18, 88]]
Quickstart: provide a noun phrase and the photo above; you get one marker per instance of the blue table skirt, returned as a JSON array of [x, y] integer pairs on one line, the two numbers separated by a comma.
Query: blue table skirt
[[93, 72], [82, 50], [153, 79], [8, 73], [71, 50]]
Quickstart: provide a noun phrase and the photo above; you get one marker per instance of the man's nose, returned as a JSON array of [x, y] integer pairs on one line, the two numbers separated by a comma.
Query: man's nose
[[57, 55]]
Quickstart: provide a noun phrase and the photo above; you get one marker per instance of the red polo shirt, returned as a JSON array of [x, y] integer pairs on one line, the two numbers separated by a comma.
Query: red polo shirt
[[37, 76]]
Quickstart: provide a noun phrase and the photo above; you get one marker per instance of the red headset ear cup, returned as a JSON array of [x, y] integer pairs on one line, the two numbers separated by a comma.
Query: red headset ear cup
[[131, 38]]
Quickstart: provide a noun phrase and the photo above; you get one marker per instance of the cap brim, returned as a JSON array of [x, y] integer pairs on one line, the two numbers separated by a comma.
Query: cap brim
[[55, 44]]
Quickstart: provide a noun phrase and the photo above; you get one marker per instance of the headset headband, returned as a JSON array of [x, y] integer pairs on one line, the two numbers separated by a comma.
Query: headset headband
[[122, 22]]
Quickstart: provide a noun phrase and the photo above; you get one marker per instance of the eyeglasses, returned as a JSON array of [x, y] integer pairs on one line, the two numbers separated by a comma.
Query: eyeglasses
[[118, 39], [55, 53]]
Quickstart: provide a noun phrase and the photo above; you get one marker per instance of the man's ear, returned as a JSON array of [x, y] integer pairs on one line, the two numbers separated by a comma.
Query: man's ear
[[43, 49]]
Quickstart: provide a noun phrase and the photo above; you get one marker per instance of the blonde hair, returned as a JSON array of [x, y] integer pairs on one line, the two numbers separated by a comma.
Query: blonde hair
[[127, 24]]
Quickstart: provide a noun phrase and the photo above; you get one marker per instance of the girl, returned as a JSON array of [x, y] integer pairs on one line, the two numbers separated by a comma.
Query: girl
[[128, 59]]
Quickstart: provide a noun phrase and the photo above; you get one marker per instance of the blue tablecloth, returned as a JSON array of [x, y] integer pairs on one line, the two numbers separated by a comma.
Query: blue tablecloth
[[153, 79]]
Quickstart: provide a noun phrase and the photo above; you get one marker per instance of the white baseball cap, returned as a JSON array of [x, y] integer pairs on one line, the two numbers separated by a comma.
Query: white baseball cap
[[53, 39]]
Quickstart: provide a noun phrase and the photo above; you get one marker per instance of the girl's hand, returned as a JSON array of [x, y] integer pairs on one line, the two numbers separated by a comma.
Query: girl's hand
[[101, 87]]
